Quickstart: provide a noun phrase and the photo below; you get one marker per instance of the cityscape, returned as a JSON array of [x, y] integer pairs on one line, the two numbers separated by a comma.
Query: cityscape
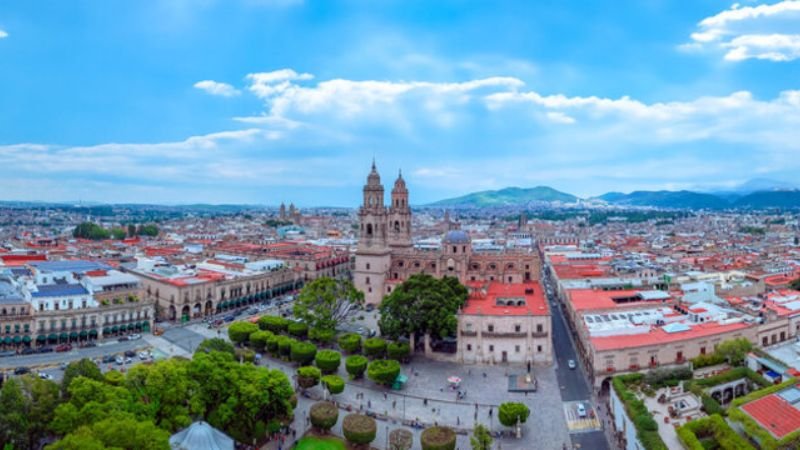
[[406, 226]]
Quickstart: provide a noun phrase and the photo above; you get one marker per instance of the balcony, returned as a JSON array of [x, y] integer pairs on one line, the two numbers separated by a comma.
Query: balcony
[[505, 334], [469, 333], [539, 334]]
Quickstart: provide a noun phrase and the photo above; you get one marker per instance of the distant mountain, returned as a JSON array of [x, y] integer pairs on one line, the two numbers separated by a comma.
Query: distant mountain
[[769, 199], [764, 184], [512, 196], [666, 199]]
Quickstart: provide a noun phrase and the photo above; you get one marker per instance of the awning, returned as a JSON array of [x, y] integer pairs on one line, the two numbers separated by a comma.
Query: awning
[[73, 335], [83, 333], [146, 326], [7, 340], [106, 330], [53, 337], [17, 339], [92, 332], [41, 338], [27, 339], [114, 329], [63, 336]]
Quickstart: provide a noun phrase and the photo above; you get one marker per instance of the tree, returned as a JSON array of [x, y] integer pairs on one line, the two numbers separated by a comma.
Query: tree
[[240, 332], [298, 329], [323, 415], [303, 352], [118, 233], [422, 304], [147, 230], [325, 303], [90, 230], [481, 438], [350, 343], [400, 439], [375, 347], [333, 383], [383, 371], [215, 345], [356, 365], [42, 398], [259, 339], [735, 350], [14, 422], [328, 361], [285, 346], [438, 438], [308, 376], [510, 412], [116, 432], [321, 336], [81, 368], [359, 430], [399, 351], [274, 324], [131, 230]]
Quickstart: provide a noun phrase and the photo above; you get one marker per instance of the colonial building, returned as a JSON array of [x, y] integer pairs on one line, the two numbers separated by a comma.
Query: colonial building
[[386, 255]]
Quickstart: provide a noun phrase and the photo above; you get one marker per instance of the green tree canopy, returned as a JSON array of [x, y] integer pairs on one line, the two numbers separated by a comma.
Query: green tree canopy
[[259, 339], [356, 365], [481, 438], [383, 371], [308, 376], [734, 350], [81, 368], [90, 230], [240, 332], [422, 304], [215, 345], [326, 302], [510, 412]]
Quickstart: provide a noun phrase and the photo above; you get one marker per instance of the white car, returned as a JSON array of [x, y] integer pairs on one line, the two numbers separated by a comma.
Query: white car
[[134, 337], [581, 410], [571, 364], [143, 356], [45, 376]]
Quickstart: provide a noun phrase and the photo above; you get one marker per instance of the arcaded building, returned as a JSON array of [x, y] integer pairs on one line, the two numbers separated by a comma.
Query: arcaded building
[[386, 254]]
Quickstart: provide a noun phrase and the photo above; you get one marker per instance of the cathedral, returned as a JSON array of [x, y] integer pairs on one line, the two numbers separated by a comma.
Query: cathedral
[[386, 255]]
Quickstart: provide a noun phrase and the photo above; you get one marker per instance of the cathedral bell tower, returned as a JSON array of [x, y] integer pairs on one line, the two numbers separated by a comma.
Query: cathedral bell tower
[[399, 216], [373, 255]]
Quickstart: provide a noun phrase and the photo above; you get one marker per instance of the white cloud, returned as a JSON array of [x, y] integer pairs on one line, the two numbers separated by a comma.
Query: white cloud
[[3, 34], [767, 32], [217, 88]]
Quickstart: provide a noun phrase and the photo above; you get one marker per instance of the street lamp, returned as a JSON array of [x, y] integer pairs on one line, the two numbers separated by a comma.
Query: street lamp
[[387, 437]]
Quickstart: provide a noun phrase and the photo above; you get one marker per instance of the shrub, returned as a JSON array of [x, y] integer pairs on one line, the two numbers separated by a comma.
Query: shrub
[[438, 438], [510, 412], [355, 366], [303, 352], [274, 324], [636, 410], [323, 415], [334, 384], [298, 329], [285, 345], [272, 344], [321, 335], [664, 377], [399, 351], [711, 406], [383, 371], [308, 376], [240, 332], [715, 427], [215, 345], [710, 359], [401, 439], [328, 361], [375, 347], [359, 429], [350, 343], [246, 355], [259, 339]]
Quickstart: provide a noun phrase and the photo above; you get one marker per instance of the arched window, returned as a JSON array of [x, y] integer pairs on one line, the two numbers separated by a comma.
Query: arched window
[[369, 229], [396, 226]]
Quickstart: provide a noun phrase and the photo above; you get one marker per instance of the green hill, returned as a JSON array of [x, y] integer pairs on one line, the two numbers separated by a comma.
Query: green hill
[[511, 196]]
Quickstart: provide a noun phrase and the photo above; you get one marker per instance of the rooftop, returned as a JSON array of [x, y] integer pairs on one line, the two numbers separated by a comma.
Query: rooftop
[[671, 333], [777, 413], [591, 299], [58, 290], [501, 299]]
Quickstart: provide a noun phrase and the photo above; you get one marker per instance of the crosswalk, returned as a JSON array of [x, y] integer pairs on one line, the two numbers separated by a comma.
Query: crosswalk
[[575, 423]]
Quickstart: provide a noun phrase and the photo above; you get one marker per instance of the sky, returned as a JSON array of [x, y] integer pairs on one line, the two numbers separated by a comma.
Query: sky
[[264, 101]]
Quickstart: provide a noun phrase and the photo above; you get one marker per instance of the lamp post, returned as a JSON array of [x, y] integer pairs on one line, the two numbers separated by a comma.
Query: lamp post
[[387, 437]]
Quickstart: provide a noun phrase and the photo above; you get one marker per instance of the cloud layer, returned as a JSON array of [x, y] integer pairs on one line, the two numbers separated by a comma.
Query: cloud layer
[[766, 32], [217, 88]]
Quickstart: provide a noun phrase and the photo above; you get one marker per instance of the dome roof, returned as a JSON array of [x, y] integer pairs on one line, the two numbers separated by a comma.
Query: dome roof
[[456, 237], [400, 183]]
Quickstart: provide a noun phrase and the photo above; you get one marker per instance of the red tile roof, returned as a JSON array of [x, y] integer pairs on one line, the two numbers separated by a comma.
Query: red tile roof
[[657, 336], [592, 299], [481, 302], [774, 414]]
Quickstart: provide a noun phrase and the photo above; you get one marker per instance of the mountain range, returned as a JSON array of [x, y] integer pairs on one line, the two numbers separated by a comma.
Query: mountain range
[[754, 194]]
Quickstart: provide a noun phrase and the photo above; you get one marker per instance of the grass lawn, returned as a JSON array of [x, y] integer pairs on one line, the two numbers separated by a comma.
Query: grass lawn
[[316, 443]]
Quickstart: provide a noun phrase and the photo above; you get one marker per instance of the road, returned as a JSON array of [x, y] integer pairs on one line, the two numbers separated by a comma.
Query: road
[[54, 359], [574, 383]]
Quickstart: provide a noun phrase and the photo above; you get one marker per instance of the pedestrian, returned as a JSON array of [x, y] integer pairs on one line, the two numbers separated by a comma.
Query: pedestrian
[[394, 404], [490, 412], [458, 420], [476, 415], [425, 401], [385, 397], [484, 374], [369, 403]]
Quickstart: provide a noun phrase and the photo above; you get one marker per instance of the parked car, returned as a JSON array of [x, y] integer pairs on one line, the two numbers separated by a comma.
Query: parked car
[[108, 359], [130, 353], [7, 353], [46, 350], [581, 410], [229, 318], [370, 307], [123, 339], [28, 351], [119, 360], [134, 337], [128, 360], [63, 366], [45, 376], [90, 344], [22, 370], [63, 348], [143, 356], [571, 364]]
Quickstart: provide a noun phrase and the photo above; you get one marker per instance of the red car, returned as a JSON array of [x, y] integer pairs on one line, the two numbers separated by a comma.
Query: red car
[[64, 348]]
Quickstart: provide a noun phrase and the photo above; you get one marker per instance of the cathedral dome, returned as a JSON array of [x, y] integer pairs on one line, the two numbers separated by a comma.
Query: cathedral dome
[[456, 237], [400, 183]]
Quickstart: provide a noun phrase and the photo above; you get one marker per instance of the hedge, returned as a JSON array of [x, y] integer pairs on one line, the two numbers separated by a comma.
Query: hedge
[[303, 352], [383, 371], [308, 376], [711, 359], [375, 347], [285, 345], [259, 339], [244, 354], [334, 384], [323, 415], [321, 336], [298, 329], [399, 351], [272, 344], [274, 324], [755, 395], [355, 365], [328, 361], [712, 426], [359, 429], [731, 375], [240, 332], [350, 343], [401, 439], [667, 377], [646, 427], [438, 438]]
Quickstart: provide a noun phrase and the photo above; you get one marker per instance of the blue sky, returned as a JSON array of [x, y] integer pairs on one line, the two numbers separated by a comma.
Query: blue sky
[[263, 101]]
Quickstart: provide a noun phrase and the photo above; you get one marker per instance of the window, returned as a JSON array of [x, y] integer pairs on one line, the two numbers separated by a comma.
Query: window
[[539, 328], [83, 303], [367, 280], [491, 348], [27, 328], [539, 348], [517, 328], [702, 350], [455, 249], [516, 348], [367, 266], [490, 328], [509, 279], [469, 347]]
